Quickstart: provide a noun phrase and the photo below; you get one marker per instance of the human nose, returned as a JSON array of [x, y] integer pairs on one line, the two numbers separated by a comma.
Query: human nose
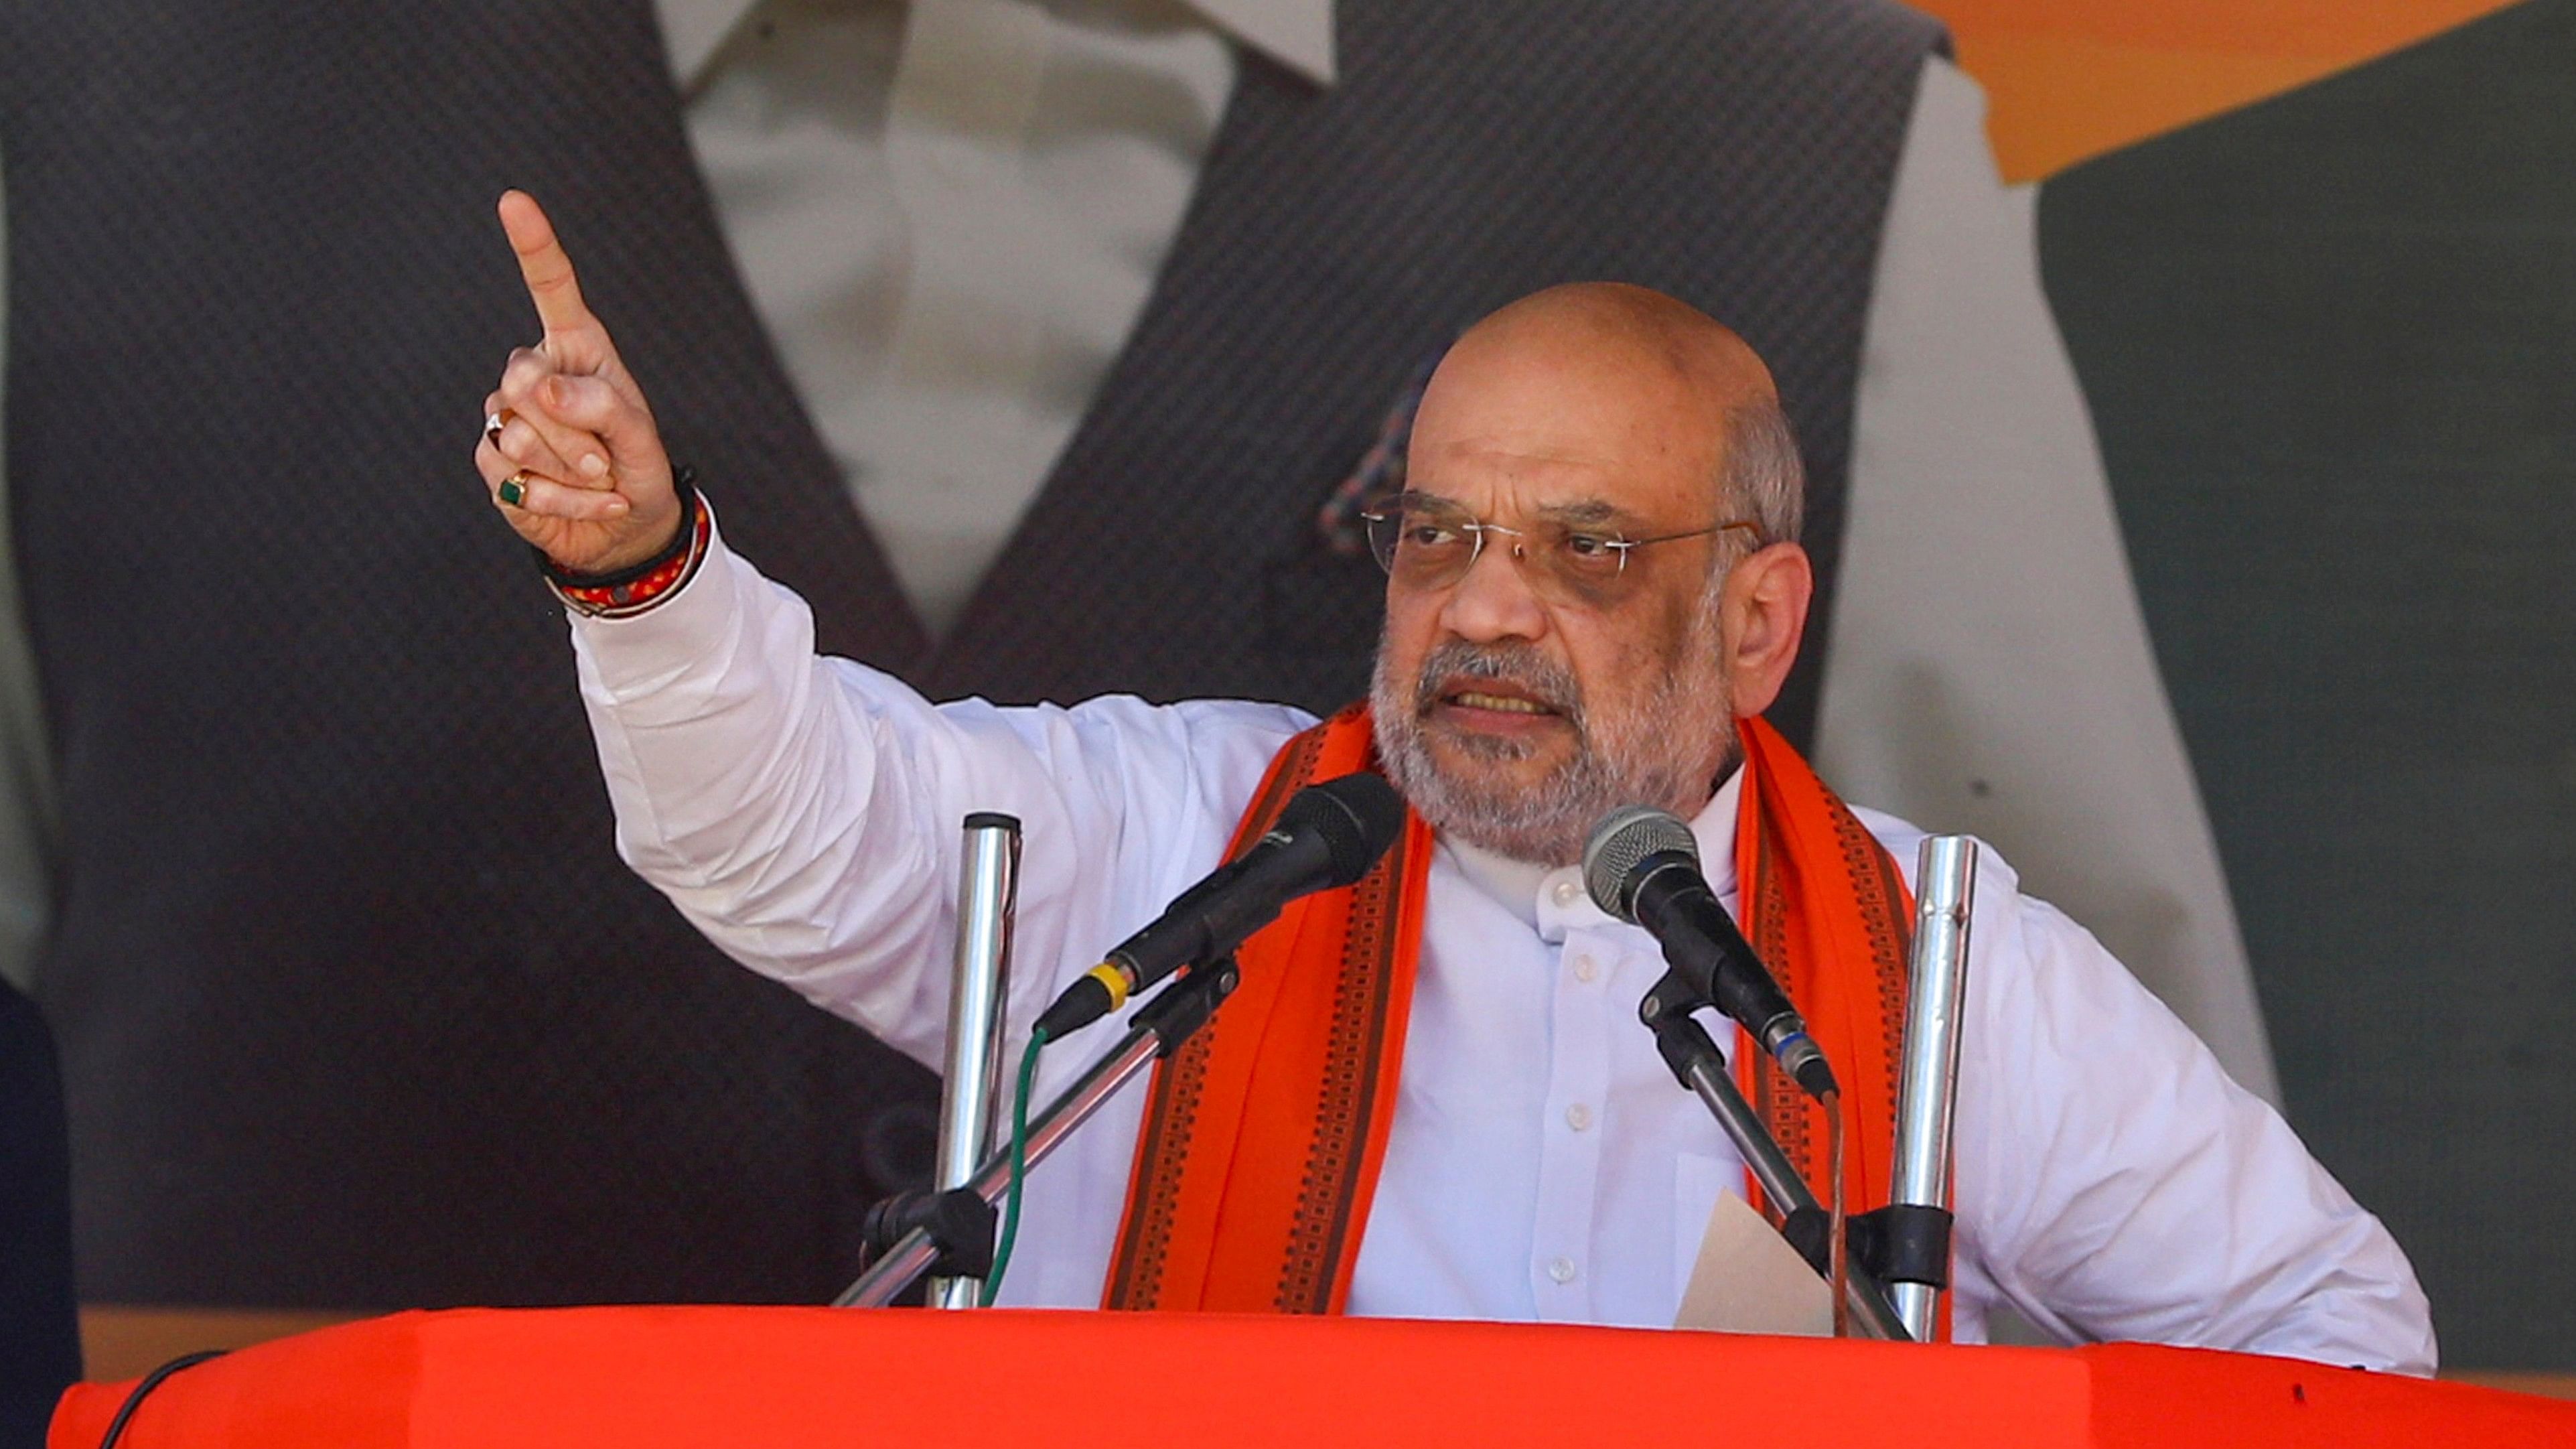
[[1493, 599]]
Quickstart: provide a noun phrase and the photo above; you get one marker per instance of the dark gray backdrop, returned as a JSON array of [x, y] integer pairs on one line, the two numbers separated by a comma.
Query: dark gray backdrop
[[2330, 343]]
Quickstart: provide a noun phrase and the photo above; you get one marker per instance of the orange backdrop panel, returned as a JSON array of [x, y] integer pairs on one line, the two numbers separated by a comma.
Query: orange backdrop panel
[[663, 1378], [2070, 79]]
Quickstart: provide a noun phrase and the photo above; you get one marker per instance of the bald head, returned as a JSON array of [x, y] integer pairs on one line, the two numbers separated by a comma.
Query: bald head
[[1615, 324], [1603, 371]]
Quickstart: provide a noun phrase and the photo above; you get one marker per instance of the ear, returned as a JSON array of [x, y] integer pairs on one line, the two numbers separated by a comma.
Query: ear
[[1762, 615]]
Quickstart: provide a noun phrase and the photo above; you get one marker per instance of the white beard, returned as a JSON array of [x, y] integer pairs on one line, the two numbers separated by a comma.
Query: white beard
[[1656, 755]]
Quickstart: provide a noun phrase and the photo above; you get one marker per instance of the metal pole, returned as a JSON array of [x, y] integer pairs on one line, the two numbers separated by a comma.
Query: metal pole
[[1158, 1027], [970, 1102], [1944, 891]]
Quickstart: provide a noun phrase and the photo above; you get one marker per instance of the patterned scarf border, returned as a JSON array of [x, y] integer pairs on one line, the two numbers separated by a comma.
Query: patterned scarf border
[[1826, 908]]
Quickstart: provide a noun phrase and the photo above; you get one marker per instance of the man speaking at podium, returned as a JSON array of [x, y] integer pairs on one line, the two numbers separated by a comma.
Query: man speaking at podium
[[1431, 1096]]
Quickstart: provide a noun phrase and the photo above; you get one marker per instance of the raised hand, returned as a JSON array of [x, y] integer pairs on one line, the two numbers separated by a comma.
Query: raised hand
[[575, 465]]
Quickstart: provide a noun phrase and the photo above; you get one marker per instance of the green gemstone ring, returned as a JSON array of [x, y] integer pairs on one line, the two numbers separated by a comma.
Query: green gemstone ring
[[514, 489]]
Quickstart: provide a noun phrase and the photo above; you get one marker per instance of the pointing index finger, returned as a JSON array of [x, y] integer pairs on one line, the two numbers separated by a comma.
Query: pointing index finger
[[543, 265]]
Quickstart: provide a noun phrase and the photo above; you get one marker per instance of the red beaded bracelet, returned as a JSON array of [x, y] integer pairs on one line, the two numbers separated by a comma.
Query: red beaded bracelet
[[631, 591]]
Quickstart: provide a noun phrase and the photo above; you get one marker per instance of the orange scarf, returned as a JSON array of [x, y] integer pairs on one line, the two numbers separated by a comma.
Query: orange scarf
[[1824, 906], [1263, 1137]]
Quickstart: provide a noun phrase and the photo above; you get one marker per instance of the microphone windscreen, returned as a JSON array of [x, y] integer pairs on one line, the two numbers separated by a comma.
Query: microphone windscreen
[[1357, 817], [1624, 837]]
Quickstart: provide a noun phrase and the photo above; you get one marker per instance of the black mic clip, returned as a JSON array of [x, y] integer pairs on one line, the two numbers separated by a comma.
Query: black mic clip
[[1674, 998], [1669, 998], [1903, 1242], [960, 1224]]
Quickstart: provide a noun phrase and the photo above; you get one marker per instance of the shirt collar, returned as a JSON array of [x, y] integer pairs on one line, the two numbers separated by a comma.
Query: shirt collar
[[1552, 901], [1296, 33]]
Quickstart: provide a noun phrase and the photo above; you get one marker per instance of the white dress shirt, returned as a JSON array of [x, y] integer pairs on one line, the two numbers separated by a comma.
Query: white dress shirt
[[804, 813]]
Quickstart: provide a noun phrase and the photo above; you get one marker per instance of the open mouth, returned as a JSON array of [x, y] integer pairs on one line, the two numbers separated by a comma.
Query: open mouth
[[1507, 703], [1494, 704]]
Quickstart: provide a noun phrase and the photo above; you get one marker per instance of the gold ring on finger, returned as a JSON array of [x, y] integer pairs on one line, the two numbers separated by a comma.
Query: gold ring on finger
[[514, 489]]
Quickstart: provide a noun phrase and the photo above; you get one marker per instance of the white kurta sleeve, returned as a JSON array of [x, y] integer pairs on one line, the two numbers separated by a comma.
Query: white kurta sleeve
[[2114, 1183], [805, 812]]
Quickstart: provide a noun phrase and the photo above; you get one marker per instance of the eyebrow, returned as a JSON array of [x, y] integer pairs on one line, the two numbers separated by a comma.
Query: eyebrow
[[1584, 510], [1579, 511]]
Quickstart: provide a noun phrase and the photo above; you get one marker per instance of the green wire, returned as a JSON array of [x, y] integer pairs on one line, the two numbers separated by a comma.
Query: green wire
[[1019, 1169]]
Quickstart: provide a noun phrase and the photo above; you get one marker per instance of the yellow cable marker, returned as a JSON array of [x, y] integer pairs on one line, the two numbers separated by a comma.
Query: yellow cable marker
[[1109, 975]]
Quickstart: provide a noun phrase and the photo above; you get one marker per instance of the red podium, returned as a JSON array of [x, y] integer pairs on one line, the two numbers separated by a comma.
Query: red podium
[[663, 1378]]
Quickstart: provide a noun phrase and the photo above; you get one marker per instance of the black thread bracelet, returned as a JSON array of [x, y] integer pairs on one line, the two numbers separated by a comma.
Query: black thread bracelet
[[684, 482]]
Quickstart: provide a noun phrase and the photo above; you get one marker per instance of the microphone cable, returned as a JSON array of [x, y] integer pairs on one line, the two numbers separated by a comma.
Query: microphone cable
[[143, 1390], [1019, 1169], [1837, 1249]]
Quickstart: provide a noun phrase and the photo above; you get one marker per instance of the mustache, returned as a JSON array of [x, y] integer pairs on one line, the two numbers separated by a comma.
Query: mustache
[[1545, 680]]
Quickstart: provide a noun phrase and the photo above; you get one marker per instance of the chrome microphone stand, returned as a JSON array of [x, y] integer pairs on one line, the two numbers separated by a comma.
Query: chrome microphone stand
[[971, 1095], [1915, 1240]]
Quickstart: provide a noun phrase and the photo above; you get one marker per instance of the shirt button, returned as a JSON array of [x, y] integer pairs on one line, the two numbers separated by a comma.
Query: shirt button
[[1562, 1270], [1585, 968], [1568, 892], [1578, 1116]]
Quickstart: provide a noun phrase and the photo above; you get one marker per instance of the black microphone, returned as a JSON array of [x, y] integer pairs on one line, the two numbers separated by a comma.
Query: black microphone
[[1642, 866], [1329, 836]]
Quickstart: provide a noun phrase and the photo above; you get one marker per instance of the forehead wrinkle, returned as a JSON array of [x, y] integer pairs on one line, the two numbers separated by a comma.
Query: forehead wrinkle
[[1571, 511], [1517, 456], [1503, 472]]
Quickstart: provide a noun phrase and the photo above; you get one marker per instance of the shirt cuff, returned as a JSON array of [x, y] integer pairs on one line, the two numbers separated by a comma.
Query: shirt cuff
[[691, 628]]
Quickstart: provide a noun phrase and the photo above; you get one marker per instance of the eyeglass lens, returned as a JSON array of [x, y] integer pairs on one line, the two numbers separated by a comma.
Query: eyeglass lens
[[1430, 544]]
